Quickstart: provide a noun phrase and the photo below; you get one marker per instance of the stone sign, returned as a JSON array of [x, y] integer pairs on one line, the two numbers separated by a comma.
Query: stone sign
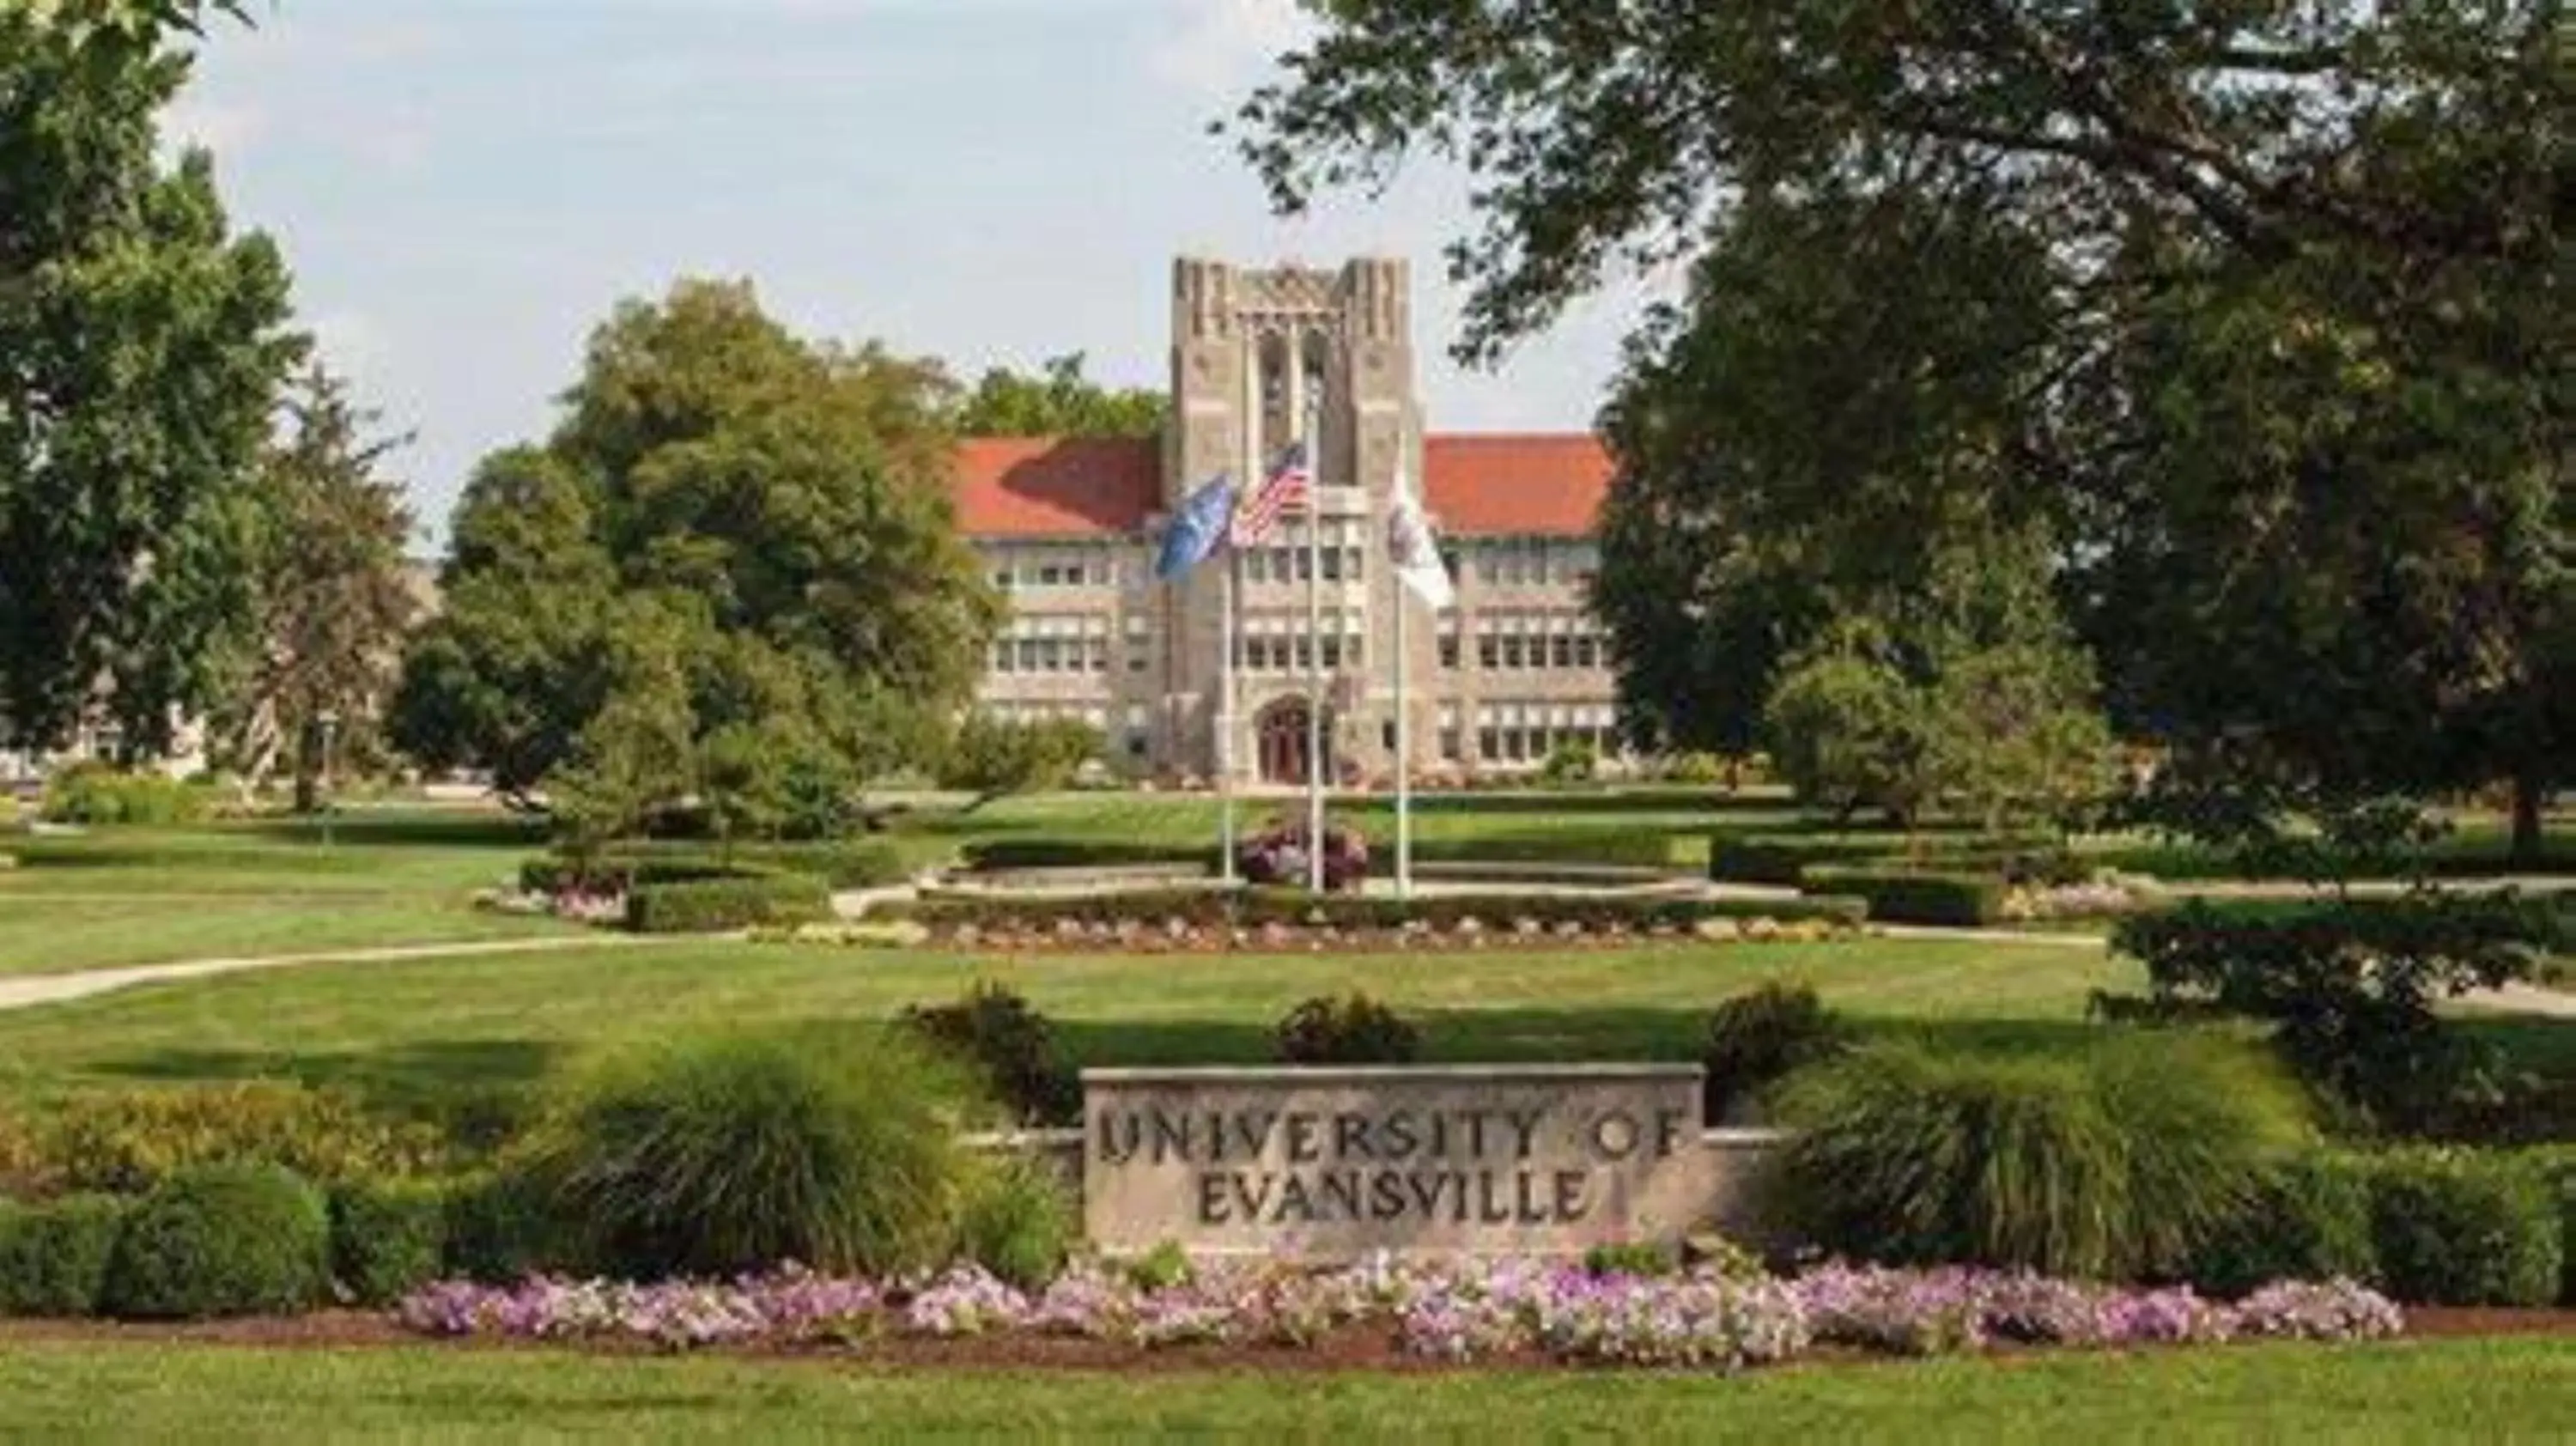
[[1338, 1162]]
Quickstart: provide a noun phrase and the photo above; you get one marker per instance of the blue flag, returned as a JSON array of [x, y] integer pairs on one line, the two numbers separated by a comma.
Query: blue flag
[[1197, 530]]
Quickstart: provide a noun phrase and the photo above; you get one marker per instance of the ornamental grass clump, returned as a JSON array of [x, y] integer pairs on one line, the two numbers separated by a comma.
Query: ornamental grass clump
[[2117, 1164], [726, 1155]]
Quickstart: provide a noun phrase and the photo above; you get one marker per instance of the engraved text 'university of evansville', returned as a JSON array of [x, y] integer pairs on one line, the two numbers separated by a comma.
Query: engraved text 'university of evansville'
[[1333, 1161]]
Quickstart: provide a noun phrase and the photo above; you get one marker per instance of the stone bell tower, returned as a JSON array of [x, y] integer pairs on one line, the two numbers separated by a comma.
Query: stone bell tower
[[1259, 357]]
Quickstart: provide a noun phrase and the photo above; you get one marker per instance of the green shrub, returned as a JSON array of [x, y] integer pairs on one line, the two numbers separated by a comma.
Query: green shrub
[[1001, 855], [126, 1141], [1012, 1045], [2465, 1227], [1019, 1222], [2308, 1219], [1573, 761], [1165, 1267], [218, 1240], [1353, 1030], [1783, 862], [101, 795], [387, 1239], [2557, 1165], [54, 1256], [1251, 908], [711, 906], [1640, 1258], [1953, 900], [730, 1154], [500, 1228], [2122, 1161], [1760, 1037]]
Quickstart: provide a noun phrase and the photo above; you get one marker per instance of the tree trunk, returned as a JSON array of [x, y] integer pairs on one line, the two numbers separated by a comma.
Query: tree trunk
[[2529, 791]]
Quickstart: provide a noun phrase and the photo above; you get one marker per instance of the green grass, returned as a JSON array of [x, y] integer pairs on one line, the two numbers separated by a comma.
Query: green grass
[[2483, 1390], [433, 1031], [57, 935], [114, 897]]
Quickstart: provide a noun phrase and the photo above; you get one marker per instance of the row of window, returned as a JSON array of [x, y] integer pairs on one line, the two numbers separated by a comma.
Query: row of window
[[1298, 654], [1534, 642], [1093, 564], [1533, 561]]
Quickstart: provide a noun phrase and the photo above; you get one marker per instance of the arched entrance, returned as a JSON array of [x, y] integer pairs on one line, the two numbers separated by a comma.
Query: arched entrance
[[1280, 731]]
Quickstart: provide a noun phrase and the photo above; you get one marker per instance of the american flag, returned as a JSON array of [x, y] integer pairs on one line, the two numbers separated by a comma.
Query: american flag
[[1285, 487]]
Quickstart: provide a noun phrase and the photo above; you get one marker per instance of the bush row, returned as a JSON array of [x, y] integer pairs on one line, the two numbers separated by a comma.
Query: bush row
[[128, 1141], [101, 794], [708, 906], [842, 865], [1207, 908], [707, 1158], [1947, 899], [2155, 1155], [1641, 848], [219, 1240]]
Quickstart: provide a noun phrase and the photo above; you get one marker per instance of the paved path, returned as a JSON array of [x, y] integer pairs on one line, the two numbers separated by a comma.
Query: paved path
[[27, 993]]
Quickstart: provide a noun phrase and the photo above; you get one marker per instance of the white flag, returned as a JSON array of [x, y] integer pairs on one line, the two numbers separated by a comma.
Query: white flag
[[1412, 548]]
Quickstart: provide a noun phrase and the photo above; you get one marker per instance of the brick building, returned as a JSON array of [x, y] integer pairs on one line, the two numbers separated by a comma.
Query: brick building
[[1069, 529]]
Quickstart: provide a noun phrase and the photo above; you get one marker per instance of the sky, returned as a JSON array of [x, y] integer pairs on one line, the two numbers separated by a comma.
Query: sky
[[464, 188]]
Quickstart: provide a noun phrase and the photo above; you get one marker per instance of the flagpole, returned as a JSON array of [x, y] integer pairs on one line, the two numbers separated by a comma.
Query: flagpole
[[1403, 750], [1225, 713], [1314, 657]]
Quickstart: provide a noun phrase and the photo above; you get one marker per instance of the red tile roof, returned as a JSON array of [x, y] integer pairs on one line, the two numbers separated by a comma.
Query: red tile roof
[[1497, 483], [1056, 486], [1486, 484]]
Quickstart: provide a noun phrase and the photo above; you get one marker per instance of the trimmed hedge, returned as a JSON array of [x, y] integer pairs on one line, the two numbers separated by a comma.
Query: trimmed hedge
[[54, 1256], [1952, 900], [1002, 855], [387, 1239], [222, 1240], [127, 1141], [842, 865], [2308, 1219], [2465, 1227], [1783, 862], [711, 906], [1214, 908], [498, 1230]]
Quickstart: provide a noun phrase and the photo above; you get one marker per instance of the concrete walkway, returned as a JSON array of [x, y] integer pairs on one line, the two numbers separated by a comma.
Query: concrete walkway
[[28, 993]]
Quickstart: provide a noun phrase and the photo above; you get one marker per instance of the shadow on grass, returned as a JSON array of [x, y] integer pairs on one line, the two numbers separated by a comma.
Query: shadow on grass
[[476, 830]]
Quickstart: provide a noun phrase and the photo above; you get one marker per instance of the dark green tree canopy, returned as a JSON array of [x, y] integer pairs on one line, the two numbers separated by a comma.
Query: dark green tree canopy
[[142, 346], [733, 528], [2258, 309], [1058, 402]]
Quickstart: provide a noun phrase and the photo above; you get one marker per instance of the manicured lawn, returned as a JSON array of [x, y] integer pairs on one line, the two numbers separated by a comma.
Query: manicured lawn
[[2490, 1391], [54, 935], [427, 1029]]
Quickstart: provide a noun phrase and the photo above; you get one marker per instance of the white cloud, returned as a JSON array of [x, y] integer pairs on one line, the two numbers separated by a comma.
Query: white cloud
[[1217, 49], [225, 127]]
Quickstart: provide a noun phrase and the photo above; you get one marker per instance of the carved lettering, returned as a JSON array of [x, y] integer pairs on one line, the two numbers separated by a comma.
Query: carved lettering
[[1614, 1135]]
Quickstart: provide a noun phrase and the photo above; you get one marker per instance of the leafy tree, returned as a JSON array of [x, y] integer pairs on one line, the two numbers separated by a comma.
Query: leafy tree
[[1963, 692], [991, 757], [2255, 305], [335, 596], [1058, 402], [776, 513], [142, 345]]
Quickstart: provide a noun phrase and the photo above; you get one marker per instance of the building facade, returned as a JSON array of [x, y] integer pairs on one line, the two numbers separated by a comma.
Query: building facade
[[1069, 528]]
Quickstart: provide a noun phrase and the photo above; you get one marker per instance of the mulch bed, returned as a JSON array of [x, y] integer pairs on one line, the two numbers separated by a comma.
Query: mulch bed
[[1358, 1348]]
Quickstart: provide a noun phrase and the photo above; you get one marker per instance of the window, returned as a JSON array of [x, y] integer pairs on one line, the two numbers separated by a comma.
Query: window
[[1002, 656], [1587, 650], [1489, 649], [1332, 650], [1332, 558], [1515, 654], [1002, 578], [1448, 625], [1561, 650], [1028, 655], [1385, 736], [1449, 559], [1449, 731], [1515, 565], [1305, 564], [1099, 655], [1305, 653], [1489, 745]]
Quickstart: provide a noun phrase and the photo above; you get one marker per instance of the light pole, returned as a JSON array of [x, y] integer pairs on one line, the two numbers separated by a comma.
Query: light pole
[[330, 720]]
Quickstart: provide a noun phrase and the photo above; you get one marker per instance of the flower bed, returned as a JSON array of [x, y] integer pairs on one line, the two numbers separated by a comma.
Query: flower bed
[[1462, 1312]]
